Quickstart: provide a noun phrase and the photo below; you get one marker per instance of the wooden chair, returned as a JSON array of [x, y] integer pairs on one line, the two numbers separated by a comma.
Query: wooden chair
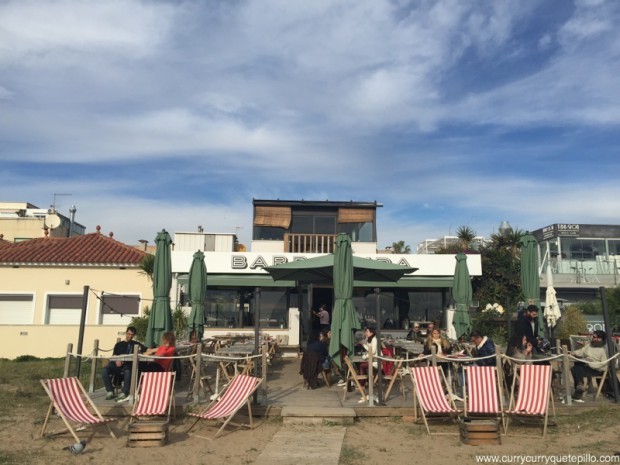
[[392, 372], [429, 384], [483, 397], [353, 376], [155, 396], [600, 381], [204, 379], [534, 395], [73, 405], [224, 409]]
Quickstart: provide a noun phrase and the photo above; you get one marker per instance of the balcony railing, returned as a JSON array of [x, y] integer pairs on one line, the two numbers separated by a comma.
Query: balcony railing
[[309, 243]]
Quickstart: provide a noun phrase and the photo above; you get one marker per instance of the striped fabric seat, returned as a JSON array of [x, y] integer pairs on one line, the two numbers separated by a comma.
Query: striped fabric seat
[[482, 394], [534, 393], [236, 395], [429, 391], [155, 394], [72, 404], [534, 389]]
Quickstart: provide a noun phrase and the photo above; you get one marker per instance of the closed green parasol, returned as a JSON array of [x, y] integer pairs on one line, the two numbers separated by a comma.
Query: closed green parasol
[[160, 319], [530, 276], [462, 294], [344, 318], [197, 291]]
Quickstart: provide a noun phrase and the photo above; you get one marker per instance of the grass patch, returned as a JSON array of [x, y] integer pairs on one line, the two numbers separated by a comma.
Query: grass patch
[[351, 456]]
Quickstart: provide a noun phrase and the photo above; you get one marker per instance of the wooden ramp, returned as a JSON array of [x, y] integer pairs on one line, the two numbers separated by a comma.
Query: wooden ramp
[[303, 445]]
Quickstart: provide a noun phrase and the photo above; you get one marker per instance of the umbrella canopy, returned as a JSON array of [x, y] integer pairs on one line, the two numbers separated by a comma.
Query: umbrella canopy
[[197, 291], [160, 319], [344, 318], [552, 308], [322, 270], [462, 294], [530, 278]]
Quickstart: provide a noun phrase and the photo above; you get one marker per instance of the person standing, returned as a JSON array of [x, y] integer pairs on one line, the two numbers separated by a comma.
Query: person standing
[[121, 369], [527, 325], [323, 316]]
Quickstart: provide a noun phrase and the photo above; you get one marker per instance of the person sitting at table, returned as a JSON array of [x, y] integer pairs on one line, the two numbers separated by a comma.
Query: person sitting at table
[[121, 370], [312, 360], [414, 333], [370, 345], [166, 349], [442, 348], [483, 347], [595, 362]]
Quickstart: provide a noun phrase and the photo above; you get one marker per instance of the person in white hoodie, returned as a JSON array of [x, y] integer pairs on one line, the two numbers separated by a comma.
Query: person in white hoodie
[[595, 356]]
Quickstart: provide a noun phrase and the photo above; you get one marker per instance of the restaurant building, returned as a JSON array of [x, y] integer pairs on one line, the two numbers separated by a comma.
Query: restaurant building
[[240, 290]]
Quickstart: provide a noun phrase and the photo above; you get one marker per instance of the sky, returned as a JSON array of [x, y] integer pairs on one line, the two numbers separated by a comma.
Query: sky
[[174, 114]]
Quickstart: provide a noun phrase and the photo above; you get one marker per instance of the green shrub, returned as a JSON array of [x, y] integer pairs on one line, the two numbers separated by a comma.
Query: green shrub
[[572, 322]]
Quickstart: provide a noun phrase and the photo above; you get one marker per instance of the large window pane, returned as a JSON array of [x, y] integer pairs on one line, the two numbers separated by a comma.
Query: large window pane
[[16, 309], [358, 232], [268, 233], [325, 225], [119, 309], [63, 309]]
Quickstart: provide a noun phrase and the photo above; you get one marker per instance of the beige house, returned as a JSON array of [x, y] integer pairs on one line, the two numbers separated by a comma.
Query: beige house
[[20, 221], [42, 285]]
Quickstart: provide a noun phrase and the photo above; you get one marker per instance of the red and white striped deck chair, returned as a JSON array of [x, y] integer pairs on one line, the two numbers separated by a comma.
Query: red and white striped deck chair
[[534, 394], [483, 398], [236, 395], [428, 384], [73, 405], [155, 395]]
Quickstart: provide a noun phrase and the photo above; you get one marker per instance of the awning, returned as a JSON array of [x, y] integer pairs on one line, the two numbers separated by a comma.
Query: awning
[[240, 280]]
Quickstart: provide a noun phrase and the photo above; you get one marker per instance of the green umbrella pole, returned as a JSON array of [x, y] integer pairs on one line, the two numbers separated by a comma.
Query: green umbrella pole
[[378, 336]]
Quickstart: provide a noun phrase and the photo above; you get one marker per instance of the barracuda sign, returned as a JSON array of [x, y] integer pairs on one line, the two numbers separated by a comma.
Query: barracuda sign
[[244, 262]]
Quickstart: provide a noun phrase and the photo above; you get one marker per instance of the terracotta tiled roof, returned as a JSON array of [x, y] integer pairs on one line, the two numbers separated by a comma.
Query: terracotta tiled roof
[[88, 249]]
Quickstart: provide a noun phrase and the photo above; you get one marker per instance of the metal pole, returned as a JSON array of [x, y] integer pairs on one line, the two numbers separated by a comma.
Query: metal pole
[[378, 336], [81, 333], [256, 334], [610, 344]]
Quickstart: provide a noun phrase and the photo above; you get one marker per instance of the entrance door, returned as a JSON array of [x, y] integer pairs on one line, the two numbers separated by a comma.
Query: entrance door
[[320, 296]]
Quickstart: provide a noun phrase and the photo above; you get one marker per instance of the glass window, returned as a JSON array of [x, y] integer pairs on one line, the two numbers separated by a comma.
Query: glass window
[[63, 309], [273, 308], [119, 309], [313, 223], [324, 225], [302, 225], [221, 308], [16, 309], [268, 233], [613, 246], [358, 232], [582, 249]]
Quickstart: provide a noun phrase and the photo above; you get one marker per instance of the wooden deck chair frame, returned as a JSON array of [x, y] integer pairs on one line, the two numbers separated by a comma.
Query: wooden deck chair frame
[[205, 385], [353, 376], [70, 400], [396, 374], [534, 394], [483, 394], [237, 394], [154, 396], [428, 386]]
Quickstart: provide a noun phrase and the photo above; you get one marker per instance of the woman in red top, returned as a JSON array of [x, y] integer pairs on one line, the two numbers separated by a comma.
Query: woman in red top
[[166, 349]]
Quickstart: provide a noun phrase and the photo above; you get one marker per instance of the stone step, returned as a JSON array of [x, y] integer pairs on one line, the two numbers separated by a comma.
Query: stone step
[[318, 415]]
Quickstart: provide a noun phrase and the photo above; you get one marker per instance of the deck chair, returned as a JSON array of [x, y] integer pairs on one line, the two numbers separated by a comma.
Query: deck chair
[[225, 407], [533, 396], [428, 384], [483, 398], [72, 403], [155, 396]]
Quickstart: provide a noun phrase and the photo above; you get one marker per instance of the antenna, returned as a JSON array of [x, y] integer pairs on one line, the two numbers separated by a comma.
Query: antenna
[[53, 206]]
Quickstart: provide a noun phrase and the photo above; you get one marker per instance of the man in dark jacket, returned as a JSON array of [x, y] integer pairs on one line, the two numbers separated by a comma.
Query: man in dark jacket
[[527, 325], [483, 347], [118, 368]]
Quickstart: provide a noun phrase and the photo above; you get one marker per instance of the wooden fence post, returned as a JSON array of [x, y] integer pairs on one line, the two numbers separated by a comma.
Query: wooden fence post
[[93, 368]]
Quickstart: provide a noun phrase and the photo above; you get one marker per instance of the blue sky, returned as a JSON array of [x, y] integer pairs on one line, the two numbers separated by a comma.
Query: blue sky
[[174, 114]]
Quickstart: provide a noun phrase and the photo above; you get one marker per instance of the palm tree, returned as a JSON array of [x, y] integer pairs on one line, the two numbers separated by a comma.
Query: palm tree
[[400, 247], [146, 266], [466, 236]]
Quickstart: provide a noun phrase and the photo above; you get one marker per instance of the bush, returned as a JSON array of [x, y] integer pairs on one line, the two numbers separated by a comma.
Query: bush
[[572, 322]]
